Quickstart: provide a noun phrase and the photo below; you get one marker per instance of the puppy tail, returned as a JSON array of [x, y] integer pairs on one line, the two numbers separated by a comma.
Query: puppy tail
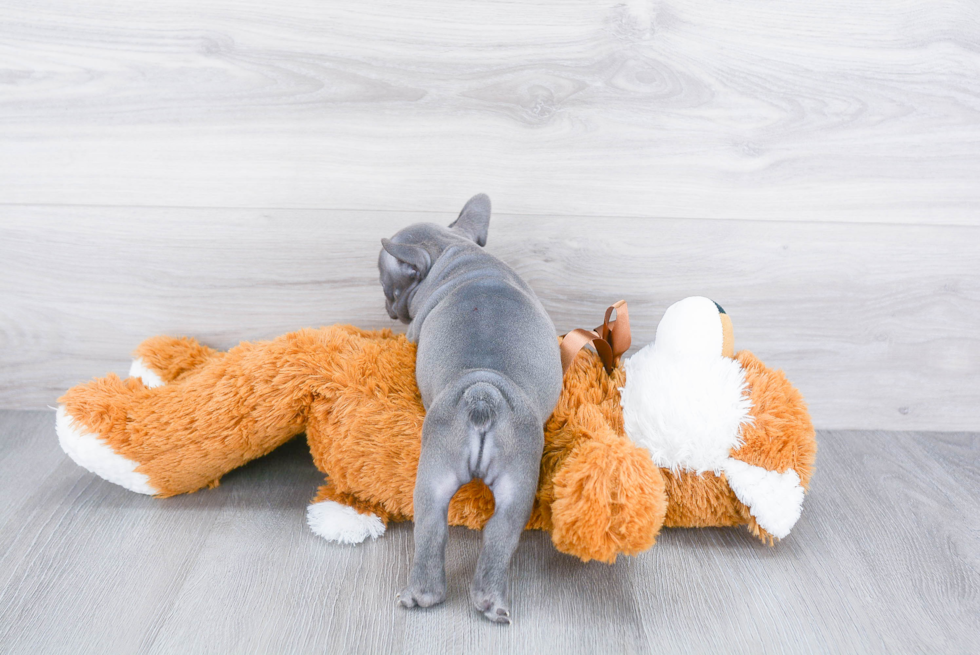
[[483, 403]]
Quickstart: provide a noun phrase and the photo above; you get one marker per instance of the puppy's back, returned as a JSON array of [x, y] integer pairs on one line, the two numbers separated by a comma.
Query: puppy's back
[[491, 321]]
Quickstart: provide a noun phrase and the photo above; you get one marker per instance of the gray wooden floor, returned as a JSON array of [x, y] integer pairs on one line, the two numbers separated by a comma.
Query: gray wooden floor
[[884, 559]]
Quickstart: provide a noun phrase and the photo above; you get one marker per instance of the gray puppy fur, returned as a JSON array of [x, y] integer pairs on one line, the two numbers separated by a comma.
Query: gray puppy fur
[[489, 370]]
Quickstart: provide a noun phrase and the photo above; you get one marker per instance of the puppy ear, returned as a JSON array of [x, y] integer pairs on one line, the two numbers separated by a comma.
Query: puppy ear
[[474, 219], [415, 256]]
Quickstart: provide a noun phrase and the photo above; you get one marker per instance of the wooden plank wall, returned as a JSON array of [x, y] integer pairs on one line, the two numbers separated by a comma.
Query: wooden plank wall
[[226, 169]]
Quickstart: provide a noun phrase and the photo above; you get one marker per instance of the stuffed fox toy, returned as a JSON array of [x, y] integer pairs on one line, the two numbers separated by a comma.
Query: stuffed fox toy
[[684, 433]]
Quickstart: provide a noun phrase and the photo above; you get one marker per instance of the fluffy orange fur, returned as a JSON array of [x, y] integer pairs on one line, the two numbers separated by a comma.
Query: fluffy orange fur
[[354, 394]]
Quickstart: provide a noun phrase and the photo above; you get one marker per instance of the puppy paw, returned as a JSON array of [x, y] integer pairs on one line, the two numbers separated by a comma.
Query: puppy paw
[[421, 596], [491, 605]]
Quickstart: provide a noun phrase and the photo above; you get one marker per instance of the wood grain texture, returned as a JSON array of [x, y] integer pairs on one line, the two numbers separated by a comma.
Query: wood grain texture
[[832, 110], [876, 324], [885, 559]]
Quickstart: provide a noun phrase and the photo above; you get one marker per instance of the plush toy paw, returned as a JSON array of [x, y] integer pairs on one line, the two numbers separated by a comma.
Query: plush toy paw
[[774, 499], [162, 360], [91, 452], [343, 524], [609, 497], [140, 369], [158, 361]]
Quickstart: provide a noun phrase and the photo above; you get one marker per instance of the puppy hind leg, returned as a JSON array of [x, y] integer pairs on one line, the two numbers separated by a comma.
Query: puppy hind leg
[[436, 483], [513, 492]]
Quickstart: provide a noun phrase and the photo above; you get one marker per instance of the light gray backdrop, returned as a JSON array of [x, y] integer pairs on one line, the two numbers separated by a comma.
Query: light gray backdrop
[[227, 172]]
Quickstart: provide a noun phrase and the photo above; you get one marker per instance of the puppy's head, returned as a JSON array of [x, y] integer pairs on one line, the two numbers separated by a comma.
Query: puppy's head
[[405, 259]]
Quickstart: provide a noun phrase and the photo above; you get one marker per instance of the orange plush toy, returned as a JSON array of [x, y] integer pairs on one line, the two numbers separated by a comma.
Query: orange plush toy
[[681, 434]]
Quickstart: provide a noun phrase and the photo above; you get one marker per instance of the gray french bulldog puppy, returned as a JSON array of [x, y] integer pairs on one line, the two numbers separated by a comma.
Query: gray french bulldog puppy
[[489, 370]]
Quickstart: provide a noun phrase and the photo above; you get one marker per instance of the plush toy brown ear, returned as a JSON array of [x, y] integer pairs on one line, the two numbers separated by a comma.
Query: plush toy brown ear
[[609, 495]]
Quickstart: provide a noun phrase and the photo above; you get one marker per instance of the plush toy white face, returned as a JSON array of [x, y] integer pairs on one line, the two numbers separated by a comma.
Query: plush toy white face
[[692, 327]]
